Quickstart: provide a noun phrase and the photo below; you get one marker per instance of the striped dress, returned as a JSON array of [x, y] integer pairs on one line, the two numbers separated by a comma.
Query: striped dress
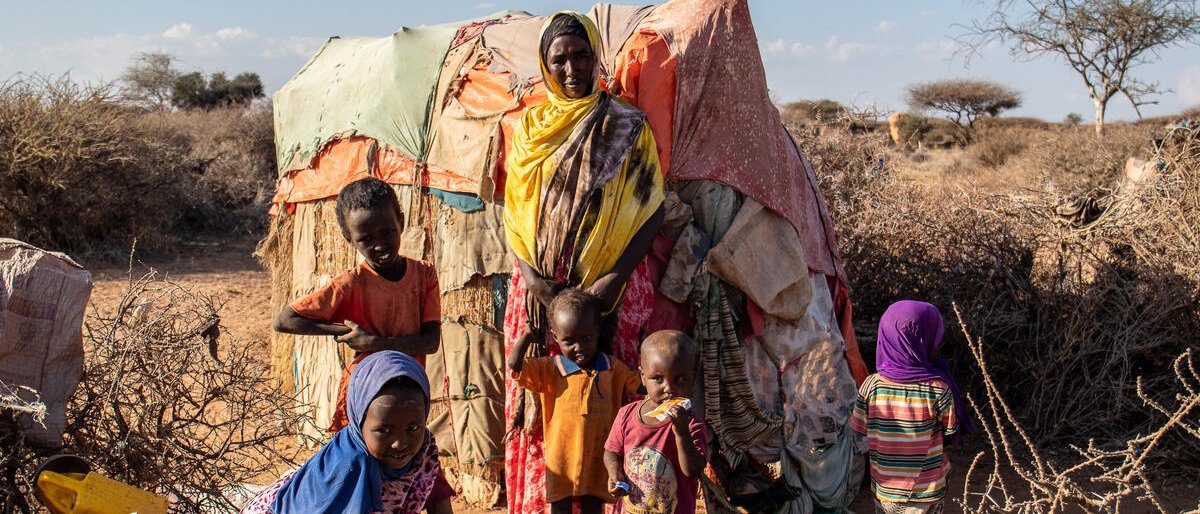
[[904, 424]]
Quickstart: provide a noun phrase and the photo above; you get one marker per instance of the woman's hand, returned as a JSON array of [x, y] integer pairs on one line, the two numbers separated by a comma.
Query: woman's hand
[[608, 288], [542, 288]]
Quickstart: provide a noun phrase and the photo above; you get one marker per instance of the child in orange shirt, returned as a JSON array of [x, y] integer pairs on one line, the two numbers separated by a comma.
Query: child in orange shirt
[[389, 302], [581, 390]]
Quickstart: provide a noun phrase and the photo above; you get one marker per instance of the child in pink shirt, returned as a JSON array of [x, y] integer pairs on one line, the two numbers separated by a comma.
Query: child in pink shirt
[[654, 464]]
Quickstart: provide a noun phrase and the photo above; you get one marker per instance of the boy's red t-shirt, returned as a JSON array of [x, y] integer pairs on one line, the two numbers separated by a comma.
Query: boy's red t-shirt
[[378, 305]]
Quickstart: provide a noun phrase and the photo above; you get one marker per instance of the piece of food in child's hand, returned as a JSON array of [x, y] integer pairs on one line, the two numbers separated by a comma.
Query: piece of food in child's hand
[[661, 412]]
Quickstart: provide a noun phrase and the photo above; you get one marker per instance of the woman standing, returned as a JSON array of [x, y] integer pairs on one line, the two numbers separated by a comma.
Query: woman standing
[[583, 202]]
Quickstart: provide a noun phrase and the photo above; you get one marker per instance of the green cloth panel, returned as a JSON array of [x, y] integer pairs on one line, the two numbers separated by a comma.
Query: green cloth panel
[[383, 88], [461, 201]]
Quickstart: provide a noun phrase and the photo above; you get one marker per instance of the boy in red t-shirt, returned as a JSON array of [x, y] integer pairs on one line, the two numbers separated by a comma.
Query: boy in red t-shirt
[[389, 302]]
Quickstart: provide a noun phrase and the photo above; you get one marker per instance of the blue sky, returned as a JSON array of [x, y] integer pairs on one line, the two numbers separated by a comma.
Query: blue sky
[[857, 52]]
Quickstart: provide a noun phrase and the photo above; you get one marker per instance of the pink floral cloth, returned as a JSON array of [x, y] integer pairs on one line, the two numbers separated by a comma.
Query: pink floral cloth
[[404, 496]]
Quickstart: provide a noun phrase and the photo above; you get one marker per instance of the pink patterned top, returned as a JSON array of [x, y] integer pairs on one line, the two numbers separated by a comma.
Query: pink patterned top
[[404, 496]]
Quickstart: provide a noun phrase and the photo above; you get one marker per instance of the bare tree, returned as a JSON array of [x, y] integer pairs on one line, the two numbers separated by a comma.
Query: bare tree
[[149, 79], [963, 100], [1102, 40]]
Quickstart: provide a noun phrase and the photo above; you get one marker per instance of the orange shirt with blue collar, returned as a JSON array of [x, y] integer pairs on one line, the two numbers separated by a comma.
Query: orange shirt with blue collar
[[578, 409]]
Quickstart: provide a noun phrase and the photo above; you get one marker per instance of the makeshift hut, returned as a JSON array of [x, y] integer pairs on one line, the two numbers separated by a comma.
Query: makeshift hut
[[746, 262]]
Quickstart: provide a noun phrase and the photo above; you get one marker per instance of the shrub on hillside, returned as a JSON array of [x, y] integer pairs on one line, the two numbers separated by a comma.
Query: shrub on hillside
[[85, 174], [236, 151], [994, 147], [1070, 316], [1081, 161], [79, 174], [807, 111]]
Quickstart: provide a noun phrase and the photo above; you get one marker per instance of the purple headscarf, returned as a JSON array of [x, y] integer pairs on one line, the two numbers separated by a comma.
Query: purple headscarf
[[343, 477], [909, 333]]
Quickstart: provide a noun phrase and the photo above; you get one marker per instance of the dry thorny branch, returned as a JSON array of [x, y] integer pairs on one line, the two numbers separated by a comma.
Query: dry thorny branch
[[170, 404], [1101, 481]]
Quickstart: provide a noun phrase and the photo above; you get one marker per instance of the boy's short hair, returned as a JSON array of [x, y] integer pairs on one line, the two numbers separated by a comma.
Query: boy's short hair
[[672, 342], [576, 300], [366, 194]]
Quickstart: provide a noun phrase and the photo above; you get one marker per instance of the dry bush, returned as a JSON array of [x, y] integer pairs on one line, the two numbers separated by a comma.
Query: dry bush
[[1077, 161], [85, 174], [171, 405], [994, 147], [17, 456], [1103, 477], [235, 151], [808, 111], [1013, 122], [168, 403], [1072, 314], [76, 172]]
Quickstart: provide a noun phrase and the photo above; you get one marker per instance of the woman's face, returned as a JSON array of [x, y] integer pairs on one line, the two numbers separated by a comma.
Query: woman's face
[[394, 425], [572, 65]]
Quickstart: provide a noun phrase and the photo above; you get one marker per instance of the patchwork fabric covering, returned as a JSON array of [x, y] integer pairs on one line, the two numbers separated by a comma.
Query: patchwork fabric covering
[[433, 109]]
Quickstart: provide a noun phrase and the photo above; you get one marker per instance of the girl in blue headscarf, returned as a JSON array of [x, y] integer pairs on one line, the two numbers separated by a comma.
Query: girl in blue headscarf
[[384, 461]]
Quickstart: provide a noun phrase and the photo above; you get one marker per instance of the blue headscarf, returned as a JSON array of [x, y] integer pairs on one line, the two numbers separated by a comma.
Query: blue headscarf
[[343, 477]]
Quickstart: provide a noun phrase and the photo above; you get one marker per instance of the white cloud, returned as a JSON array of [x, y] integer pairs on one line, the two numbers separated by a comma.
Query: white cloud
[[235, 33], [774, 47], [941, 50], [295, 46], [833, 50], [802, 50], [887, 27], [232, 50], [842, 52], [1189, 86], [178, 31]]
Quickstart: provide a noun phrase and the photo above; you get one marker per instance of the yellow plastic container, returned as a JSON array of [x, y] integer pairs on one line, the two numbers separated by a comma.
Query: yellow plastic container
[[93, 493]]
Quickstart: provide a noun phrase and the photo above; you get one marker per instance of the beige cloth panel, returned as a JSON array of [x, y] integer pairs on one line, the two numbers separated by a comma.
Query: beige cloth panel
[[42, 300], [615, 24], [514, 48], [469, 244], [468, 146], [320, 252], [763, 256], [462, 143], [466, 377]]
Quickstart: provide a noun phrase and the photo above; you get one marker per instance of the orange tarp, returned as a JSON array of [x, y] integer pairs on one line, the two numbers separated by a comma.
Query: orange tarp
[[645, 76], [345, 160]]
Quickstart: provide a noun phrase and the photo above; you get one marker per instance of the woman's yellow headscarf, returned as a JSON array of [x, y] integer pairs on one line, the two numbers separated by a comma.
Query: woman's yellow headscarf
[[628, 200]]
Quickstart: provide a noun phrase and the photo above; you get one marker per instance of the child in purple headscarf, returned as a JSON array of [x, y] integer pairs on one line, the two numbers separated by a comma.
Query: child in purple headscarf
[[907, 410], [385, 460]]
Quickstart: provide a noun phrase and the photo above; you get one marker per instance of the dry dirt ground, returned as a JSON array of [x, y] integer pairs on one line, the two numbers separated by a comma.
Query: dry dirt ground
[[228, 273]]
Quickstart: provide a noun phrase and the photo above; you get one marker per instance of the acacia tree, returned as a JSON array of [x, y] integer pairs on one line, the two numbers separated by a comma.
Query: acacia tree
[[963, 100], [149, 79], [1102, 40], [191, 91]]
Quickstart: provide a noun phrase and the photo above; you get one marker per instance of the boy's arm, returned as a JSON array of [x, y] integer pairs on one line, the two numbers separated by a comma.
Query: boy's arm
[[424, 343], [290, 322], [691, 461], [516, 358], [616, 472]]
